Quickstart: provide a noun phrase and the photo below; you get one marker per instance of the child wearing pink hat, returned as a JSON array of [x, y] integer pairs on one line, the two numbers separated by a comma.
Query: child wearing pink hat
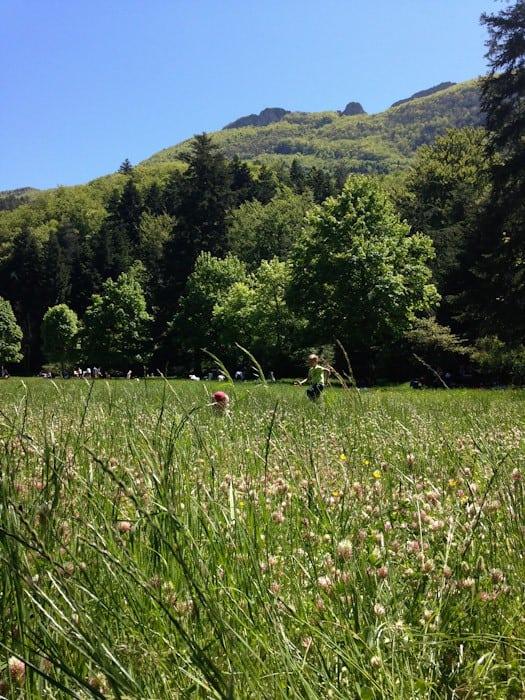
[[221, 401]]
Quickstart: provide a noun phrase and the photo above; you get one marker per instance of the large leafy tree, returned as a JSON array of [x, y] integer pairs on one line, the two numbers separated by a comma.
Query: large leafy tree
[[10, 335], [116, 324], [254, 314], [275, 327], [261, 232], [358, 274], [194, 326], [59, 334], [233, 319]]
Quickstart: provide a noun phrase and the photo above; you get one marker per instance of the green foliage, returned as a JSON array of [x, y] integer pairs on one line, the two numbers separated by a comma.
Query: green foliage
[[232, 319], [499, 361], [59, 335], [115, 330], [503, 90], [358, 275], [246, 193], [434, 341], [445, 187], [154, 232], [254, 314], [204, 198], [193, 326], [10, 335], [425, 349], [22, 281], [261, 232], [200, 200], [445, 192], [274, 327]]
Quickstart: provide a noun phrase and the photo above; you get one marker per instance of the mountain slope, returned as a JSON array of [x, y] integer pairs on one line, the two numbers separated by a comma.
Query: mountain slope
[[369, 143]]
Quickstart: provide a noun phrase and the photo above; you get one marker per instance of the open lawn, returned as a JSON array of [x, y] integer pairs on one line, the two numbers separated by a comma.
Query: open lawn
[[370, 546]]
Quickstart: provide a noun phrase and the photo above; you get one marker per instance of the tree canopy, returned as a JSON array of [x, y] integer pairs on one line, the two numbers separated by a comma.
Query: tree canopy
[[59, 335], [358, 274], [10, 335], [116, 325]]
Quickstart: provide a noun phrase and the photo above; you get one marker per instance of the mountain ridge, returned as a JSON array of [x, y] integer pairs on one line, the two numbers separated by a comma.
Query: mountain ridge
[[360, 142], [270, 115], [351, 139]]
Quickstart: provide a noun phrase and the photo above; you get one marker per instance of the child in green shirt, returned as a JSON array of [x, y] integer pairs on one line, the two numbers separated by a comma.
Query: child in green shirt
[[316, 378]]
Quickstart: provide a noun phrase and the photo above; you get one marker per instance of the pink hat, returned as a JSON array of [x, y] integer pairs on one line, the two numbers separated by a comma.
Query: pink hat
[[220, 396]]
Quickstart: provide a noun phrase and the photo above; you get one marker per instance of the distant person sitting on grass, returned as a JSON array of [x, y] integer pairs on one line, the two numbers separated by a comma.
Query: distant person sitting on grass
[[316, 378]]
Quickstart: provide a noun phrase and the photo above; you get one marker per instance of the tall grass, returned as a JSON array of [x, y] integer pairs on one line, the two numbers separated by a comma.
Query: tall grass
[[368, 546]]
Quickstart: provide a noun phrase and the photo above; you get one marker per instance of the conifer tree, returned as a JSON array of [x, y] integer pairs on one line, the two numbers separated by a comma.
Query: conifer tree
[[129, 211], [200, 203], [24, 285], [56, 272], [498, 297], [125, 167]]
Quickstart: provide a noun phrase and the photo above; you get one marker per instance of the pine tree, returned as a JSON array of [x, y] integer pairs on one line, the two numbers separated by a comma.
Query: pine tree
[[499, 298], [129, 211], [503, 96], [56, 272], [24, 287], [200, 201], [242, 182], [125, 167]]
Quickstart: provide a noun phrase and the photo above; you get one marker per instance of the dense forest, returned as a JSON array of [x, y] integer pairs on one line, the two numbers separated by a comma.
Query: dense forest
[[392, 244]]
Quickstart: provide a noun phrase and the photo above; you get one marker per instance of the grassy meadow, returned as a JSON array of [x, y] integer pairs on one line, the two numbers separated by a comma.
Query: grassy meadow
[[370, 546]]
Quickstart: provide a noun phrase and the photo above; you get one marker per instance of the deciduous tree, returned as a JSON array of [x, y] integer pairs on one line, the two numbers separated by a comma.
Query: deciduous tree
[[261, 232], [358, 274], [10, 335], [194, 326], [59, 331], [116, 324]]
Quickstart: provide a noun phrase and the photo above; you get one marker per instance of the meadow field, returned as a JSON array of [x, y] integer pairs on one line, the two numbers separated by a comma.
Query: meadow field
[[369, 546]]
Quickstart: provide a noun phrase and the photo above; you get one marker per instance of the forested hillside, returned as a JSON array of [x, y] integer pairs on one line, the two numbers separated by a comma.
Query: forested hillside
[[392, 241], [366, 143]]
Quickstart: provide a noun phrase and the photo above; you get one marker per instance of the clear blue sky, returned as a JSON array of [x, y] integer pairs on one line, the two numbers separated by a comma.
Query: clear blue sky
[[85, 84]]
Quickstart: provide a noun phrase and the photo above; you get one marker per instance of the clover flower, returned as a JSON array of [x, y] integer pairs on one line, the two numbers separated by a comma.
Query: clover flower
[[344, 549], [17, 670]]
